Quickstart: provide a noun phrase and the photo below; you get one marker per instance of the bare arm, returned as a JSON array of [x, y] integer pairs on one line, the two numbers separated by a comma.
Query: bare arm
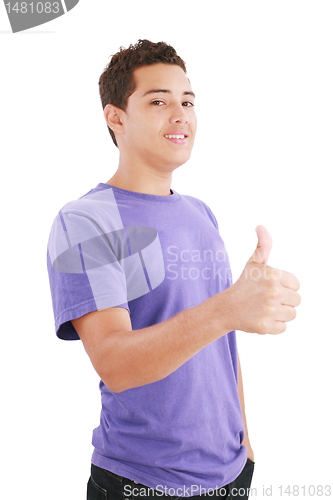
[[260, 301], [246, 440], [124, 358]]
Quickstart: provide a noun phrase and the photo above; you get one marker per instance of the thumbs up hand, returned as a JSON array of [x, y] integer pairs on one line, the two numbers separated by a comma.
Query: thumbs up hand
[[263, 299]]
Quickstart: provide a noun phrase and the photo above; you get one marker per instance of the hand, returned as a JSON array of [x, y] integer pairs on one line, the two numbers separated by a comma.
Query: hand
[[263, 299]]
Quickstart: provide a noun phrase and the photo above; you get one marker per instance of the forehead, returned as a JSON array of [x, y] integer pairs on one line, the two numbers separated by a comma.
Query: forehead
[[161, 76]]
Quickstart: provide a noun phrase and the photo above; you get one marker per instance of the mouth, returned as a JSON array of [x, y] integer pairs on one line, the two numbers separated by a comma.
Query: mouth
[[177, 138], [174, 136]]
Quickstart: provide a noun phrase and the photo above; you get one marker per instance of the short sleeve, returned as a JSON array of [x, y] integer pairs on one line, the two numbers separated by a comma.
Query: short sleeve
[[85, 269]]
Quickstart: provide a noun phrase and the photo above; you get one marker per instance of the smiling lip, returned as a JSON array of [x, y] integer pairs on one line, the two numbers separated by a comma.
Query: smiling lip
[[177, 136]]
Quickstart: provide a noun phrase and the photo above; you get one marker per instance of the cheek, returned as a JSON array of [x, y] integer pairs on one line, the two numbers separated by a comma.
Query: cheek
[[147, 127], [194, 123]]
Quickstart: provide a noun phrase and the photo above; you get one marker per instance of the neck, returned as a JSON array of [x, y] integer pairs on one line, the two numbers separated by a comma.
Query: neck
[[141, 179]]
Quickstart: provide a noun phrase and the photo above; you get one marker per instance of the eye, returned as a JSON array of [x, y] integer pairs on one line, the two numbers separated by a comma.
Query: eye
[[188, 103], [157, 103]]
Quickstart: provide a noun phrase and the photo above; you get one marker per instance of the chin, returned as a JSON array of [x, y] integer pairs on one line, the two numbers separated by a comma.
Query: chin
[[179, 160], [171, 166]]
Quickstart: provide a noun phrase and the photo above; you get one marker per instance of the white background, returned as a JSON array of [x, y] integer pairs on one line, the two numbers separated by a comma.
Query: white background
[[262, 73]]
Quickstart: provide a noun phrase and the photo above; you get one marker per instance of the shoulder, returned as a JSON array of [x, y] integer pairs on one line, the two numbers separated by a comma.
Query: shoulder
[[96, 208], [91, 203], [87, 218]]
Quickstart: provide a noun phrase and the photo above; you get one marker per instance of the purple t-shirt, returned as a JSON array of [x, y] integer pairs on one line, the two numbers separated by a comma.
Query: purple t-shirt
[[154, 256]]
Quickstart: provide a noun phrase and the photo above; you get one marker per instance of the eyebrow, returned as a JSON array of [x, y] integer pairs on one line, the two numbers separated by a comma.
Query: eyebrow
[[165, 91]]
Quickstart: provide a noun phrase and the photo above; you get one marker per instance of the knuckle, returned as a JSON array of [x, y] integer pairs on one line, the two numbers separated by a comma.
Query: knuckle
[[270, 309], [274, 292], [262, 327]]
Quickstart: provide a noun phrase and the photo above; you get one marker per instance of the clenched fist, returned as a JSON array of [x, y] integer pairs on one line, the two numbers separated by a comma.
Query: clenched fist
[[263, 299]]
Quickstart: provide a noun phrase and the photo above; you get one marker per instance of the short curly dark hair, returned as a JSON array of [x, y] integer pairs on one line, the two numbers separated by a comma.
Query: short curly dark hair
[[117, 83]]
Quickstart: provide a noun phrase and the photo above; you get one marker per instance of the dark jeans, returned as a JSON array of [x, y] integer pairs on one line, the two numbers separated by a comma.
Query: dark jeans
[[105, 485]]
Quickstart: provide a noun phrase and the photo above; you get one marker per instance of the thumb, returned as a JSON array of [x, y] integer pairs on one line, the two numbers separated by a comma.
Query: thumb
[[264, 246]]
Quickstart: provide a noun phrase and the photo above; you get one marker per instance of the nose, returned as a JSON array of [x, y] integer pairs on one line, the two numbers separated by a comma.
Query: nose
[[179, 114]]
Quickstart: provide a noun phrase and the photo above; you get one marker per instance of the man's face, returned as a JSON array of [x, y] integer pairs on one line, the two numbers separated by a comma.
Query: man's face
[[159, 123]]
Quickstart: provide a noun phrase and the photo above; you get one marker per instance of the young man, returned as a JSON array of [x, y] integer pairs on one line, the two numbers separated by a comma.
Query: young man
[[140, 274]]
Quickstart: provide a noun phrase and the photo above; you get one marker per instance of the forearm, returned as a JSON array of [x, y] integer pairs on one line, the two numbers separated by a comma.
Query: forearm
[[125, 359], [139, 357]]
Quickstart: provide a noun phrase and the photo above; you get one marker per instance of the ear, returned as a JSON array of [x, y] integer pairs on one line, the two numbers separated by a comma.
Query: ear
[[113, 117]]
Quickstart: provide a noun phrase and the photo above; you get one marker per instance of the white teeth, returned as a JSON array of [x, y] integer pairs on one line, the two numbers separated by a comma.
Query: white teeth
[[175, 136]]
